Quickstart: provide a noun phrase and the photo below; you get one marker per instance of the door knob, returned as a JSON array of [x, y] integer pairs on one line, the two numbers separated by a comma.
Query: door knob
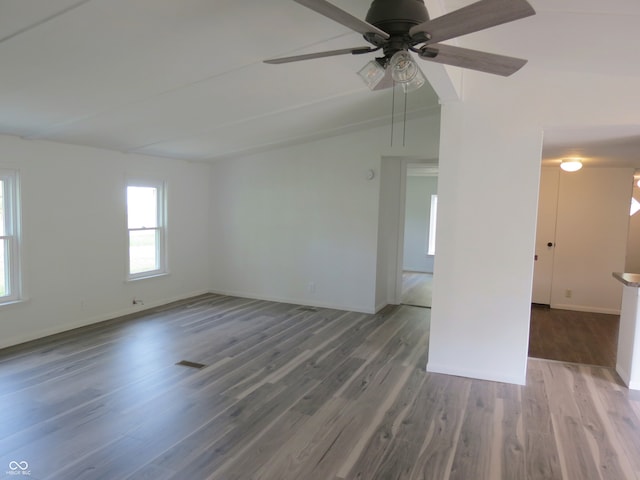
[[549, 244]]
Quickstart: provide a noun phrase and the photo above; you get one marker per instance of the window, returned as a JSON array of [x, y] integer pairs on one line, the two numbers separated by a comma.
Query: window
[[9, 237], [431, 241], [146, 229]]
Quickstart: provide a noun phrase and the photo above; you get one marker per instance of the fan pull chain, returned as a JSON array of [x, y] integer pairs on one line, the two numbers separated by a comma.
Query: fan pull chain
[[393, 108], [393, 112], [404, 123]]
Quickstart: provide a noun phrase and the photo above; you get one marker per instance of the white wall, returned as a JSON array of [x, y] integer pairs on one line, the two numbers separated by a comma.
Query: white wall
[[416, 222], [490, 150], [632, 264], [300, 224], [266, 226], [591, 239], [74, 231]]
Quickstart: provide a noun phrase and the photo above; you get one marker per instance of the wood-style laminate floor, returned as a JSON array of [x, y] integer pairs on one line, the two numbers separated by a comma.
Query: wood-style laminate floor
[[569, 336], [290, 392], [417, 288]]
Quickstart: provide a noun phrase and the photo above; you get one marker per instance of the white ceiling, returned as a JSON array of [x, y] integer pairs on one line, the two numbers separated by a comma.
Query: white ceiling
[[611, 146], [185, 78]]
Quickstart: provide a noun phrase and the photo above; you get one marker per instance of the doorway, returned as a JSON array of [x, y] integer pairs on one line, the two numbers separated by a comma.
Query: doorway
[[418, 256], [581, 229], [581, 240]]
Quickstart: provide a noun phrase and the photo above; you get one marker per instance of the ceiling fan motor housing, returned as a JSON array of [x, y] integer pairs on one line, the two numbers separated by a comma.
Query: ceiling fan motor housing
[[396, 17]]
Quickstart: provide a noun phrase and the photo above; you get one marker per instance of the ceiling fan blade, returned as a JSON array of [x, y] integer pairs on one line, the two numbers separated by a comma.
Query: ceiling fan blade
[[472, 59], [329, 53], [472, 18], [338, 15]]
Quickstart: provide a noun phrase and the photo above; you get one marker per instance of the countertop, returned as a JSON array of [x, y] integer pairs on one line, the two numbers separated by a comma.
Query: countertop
[[629, 279]]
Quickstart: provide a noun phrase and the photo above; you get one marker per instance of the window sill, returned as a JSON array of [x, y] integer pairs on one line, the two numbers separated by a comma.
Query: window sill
[[147, 277], [13, 303]]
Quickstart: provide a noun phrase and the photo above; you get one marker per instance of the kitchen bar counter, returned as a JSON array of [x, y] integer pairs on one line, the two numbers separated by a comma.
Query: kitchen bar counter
[[628, 358], [629, 279]]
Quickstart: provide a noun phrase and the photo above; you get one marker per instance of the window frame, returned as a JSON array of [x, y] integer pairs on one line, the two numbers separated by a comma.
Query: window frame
[[433, 217], [160, 228], [12, 236]]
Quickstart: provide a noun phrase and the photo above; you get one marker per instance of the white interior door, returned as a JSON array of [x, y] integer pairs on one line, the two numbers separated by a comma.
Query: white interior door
[[545, 236]]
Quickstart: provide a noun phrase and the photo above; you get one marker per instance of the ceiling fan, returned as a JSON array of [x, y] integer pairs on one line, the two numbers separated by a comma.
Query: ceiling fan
[[399, 26]]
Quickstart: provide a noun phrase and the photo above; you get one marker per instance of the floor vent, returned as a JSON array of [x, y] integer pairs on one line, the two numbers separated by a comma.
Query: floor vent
[[186, 363], [308, 309]]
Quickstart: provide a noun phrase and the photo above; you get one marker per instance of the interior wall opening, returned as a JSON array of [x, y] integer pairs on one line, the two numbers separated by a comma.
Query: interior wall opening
[[584, 234], [420, 212]]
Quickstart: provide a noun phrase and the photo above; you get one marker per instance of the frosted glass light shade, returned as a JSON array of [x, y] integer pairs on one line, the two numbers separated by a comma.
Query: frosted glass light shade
[[571, 165]]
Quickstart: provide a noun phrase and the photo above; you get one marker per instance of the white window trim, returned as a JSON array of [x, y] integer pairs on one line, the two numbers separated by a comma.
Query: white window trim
[[13, 230], [161, 229], [433, 214]]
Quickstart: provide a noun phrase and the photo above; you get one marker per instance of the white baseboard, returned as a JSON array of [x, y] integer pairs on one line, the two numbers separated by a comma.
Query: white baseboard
[[415, 270], [626, 378], [624, 375], [384, 304], [93, 320], [296, 301], [585, 308], [478, 374]]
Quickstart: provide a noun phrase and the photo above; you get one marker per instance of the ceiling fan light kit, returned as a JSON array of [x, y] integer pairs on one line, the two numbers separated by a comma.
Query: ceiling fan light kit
[[372, 74], [418, 81], [405, 71], [403, 26], [403, 68]]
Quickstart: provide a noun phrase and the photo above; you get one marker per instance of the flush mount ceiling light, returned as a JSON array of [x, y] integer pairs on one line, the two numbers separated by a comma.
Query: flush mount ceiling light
[[571, 165]]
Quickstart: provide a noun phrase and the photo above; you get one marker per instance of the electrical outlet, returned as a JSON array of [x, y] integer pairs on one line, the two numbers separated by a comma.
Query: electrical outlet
[[311, 288], [568, 293]]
